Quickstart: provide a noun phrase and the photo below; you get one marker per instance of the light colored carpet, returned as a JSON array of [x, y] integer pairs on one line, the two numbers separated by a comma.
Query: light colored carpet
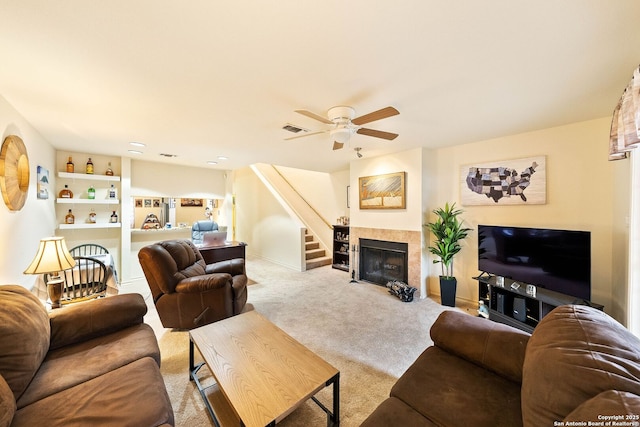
[[370, 336]]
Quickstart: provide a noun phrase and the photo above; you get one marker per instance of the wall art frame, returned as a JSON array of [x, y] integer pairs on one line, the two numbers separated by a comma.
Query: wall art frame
[[43, 183], [191, 203], [504, 182], [386, 191]]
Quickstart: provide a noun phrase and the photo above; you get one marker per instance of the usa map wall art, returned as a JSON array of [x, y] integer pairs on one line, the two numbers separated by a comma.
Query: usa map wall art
[[506, 182]]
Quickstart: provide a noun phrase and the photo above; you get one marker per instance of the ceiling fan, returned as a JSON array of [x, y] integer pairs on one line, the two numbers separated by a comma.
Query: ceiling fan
[[344, 124]]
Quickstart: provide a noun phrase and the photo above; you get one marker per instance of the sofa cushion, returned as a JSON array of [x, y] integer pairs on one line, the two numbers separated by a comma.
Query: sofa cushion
[[187, 258], [574, 354], [81, 322], [394, 412], [7, 404], [482, 342], [611, 405], [133, 395], [71, 365], [24, 336], [451, 391]]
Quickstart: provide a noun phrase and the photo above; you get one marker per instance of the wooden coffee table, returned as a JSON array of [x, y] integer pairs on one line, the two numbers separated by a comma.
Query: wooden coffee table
[[261, 373]]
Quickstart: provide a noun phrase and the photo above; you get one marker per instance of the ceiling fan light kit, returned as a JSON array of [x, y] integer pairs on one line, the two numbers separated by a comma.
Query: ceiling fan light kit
[[345, 125], [341, 134]]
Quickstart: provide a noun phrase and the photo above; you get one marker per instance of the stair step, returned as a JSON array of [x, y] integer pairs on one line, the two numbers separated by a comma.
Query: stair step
[[311, 245], [314, 253], [308, 237], [319, 262]]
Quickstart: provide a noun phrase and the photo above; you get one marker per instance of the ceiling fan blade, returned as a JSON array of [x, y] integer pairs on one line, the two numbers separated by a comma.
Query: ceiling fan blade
[[376, 115], [377, 133], [337, 145], [314, 116], [305, 134]]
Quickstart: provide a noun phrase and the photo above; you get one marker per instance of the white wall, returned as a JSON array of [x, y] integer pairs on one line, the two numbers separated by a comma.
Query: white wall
[[581, 195], [163, 179], [269, 230], [318, 199], [325, 192], [394, 219], [22, 230]]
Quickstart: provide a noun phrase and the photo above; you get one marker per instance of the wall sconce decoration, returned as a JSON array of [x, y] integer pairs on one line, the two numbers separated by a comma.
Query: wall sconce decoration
[[14, 172]]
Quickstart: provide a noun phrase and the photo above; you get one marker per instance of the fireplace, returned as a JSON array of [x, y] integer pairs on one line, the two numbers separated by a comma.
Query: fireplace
[[382, 261]]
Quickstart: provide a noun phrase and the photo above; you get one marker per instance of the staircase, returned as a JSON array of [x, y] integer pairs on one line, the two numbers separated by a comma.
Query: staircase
[[314, 255]]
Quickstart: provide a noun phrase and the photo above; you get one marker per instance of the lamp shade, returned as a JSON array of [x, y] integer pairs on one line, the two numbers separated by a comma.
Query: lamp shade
[[52, 256]]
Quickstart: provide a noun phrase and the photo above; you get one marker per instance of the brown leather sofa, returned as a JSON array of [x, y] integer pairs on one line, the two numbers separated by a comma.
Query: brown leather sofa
[[579, 366], [91, 363], [186, 291]]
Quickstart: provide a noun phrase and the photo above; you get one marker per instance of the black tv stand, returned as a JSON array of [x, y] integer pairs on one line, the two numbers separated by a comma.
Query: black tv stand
[[482, 276], [520, 306]]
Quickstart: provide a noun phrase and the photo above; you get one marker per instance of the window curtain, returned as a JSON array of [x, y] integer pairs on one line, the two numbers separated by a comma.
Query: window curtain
[[624, 137], [633, 301], [625, 125]]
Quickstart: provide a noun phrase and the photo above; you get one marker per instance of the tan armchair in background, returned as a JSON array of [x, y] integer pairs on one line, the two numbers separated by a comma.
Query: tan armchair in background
[[186, 291]]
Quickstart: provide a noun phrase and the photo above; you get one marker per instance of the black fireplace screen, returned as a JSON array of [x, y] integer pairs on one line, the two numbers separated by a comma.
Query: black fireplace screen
[[382, 261]]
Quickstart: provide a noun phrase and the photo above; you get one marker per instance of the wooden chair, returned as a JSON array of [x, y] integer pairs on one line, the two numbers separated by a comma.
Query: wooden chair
[[88, 249], [87, 280]]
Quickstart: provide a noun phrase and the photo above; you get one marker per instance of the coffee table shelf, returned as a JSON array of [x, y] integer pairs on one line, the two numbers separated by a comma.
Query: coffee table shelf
[[262, 374]]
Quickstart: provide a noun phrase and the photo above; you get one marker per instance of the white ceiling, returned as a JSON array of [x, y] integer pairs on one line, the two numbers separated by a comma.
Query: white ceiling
[[206, 78]]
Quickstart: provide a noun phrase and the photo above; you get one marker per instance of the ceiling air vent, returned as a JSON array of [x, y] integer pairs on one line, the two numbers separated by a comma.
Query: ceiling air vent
[[168, 155], [294, 128]]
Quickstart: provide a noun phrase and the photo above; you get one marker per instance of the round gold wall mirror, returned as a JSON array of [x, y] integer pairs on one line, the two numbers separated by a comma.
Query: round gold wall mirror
[[14, 172]]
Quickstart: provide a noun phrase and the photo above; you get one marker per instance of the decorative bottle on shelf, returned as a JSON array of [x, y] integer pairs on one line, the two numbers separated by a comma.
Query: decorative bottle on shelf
[[112, 192], [92, 217], [92, 192], [69, 219], [70, 167], [114, 217], [483, 311], [65, 193], [89, 169], [109, 171]]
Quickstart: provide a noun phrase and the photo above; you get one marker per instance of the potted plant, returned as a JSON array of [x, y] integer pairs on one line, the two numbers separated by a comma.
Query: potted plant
[[447, 232]]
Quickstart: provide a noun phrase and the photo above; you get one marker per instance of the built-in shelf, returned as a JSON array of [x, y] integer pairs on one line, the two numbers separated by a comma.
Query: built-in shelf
[[88, 176], [341, 247], [89, 201], [162, 230], [89, 226]]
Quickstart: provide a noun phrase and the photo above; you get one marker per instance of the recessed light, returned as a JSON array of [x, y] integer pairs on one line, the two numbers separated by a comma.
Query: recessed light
[[137, 144], [135, 152], [211, 162], [223, 158]]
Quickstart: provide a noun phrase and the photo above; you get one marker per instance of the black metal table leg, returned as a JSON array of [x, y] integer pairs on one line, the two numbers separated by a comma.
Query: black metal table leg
[[335, 417], [191, 367]]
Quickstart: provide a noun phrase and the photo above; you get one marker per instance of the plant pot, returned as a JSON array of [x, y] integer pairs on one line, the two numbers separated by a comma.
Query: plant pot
[[448, 287]]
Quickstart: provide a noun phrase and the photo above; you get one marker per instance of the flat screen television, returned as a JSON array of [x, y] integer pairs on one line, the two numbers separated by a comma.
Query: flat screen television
[[558, 260]]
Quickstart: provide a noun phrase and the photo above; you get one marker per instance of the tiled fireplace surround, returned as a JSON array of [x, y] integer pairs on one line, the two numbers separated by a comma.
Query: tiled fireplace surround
[[412, 238]]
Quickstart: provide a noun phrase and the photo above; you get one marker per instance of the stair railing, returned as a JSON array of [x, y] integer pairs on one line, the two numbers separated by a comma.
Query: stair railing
[[328, 224]]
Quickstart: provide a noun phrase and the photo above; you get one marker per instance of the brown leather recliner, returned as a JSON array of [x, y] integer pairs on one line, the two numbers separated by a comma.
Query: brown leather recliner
[[186, 291]]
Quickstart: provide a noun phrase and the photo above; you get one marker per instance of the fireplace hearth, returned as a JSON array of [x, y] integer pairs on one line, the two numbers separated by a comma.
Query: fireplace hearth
[[383, 261]]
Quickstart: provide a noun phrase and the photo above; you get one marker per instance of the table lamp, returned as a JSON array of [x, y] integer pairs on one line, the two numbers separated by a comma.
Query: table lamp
[[52, 257]]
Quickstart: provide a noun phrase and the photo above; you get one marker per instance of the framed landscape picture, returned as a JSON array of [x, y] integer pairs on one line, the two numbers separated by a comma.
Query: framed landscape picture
[[382, 191]]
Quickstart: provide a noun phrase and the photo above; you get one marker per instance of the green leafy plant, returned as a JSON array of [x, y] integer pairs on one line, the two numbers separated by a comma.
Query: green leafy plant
[[447, 232]]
